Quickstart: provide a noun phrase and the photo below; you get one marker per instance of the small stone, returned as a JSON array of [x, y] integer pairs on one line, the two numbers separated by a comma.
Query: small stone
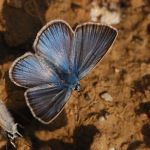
[[102, 118], [106, 96], [117, 70], [112, 148], [95, 12], [110, 18], [106, 16]]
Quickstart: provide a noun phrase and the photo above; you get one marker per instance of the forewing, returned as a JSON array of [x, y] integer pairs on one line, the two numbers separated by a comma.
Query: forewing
[[30, 70], [91, 42], [53, 42], [47, 101]]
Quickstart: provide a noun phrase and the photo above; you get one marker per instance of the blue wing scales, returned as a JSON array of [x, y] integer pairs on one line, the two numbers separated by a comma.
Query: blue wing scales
[[47, 101], [91, 42], [53, 42], [30, 70]]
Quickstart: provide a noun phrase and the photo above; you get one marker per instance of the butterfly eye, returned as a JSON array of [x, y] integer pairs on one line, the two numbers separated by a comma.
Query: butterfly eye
[[77, 87]]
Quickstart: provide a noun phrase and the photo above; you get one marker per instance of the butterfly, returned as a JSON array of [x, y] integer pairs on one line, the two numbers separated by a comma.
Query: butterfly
[[62, 58]]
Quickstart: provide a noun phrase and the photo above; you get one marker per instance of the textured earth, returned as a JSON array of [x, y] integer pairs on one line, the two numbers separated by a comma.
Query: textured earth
[[89, 121]]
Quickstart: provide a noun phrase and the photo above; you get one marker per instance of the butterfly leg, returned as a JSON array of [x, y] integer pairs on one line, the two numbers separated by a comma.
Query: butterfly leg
[[16, 133], [11, 137], [11, 141]]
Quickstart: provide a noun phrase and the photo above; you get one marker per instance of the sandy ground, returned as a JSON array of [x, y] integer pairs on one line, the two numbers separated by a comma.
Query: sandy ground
[[120, 124]]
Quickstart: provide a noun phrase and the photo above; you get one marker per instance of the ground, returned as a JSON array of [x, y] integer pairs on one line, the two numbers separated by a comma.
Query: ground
[[120, 124]]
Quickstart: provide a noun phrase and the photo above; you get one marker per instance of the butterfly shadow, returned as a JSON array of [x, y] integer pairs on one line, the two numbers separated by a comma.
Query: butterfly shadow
[[146, 139], [141, 85], [23, 22], [134, 145], [83, 137], [9, 53], [21, 25], [144, 108], [146, 134]]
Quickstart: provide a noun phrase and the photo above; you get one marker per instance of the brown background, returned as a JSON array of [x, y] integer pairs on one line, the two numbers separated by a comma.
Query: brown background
[[124, 73]]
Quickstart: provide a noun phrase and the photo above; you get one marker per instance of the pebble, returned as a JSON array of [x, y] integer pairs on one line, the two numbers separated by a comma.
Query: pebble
[[102, 118], [106, 16], [106, 96], [117, 70], [112, 148]]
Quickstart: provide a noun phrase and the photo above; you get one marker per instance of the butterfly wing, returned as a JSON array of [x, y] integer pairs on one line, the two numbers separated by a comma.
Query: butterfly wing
[[91, 42], [30, 70], [47, 101], [53, 42]]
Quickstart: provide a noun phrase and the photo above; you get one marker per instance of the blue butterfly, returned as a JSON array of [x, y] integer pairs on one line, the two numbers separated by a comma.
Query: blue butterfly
[[62, 58]]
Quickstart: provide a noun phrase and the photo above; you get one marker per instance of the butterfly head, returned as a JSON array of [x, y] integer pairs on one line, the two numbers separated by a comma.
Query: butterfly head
[[72, 82], [77, 87]]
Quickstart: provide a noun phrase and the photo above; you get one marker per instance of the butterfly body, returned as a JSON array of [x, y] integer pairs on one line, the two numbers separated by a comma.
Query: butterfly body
[[62, 58], [71, 81], [66, 78]]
